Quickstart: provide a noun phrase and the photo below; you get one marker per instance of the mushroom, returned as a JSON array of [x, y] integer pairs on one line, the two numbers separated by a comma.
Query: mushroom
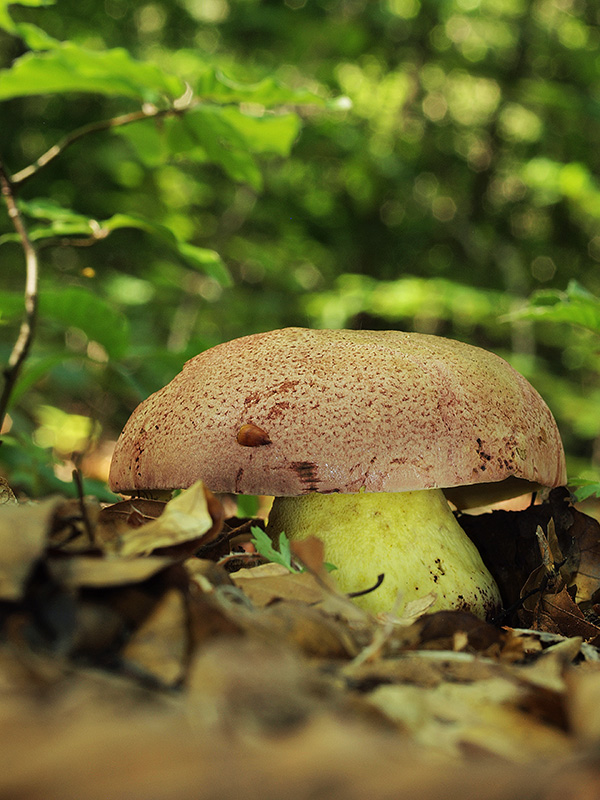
[[360, 436]]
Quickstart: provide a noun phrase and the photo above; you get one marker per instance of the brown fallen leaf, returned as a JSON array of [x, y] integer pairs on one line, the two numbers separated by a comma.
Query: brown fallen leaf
[[186, 518], [438, 631], [269, 582], [74, 525], [311, 553], [418, 668], [133, 512], [302, 627], [510, 548], [483, 716], [6, 493], [205, 575], [248, 686], [549, 669], [24, 530], [559, 613], [159, 647], [93, 571], [583, 702], [585, 531]]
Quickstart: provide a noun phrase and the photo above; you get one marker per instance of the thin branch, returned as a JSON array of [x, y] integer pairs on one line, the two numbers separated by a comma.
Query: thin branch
[[148, 112], [22, 345], [8, 185]]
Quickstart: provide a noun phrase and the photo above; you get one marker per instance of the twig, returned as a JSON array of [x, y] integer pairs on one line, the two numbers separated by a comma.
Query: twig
[[147, 112], [22, 345], [8, 186], [78, 480], [376, 585]]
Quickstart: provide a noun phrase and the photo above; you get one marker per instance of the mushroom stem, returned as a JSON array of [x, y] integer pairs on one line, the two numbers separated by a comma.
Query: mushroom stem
[[411, 537]]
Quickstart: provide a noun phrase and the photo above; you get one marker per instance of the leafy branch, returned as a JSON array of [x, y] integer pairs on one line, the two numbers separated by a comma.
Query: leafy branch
[[215, 121], [149, 111]]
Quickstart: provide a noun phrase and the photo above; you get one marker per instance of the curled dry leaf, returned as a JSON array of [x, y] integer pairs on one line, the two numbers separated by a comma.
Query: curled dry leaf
[[186, 518], [118, 519]]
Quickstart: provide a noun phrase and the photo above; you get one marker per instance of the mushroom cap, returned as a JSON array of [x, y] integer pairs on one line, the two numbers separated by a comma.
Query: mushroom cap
[[293, 411]]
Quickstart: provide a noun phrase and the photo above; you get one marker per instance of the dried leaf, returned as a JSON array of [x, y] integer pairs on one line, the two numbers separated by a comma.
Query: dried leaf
[[159, 646], [412, 610], [133, 512], [566, 616], [74, 525], [426, 669], [583, 702], [23, 538], [206, 575], [249, 685], [270, 582], [586, 545], [6, 493], [438, 631], [483, 716], [92, 571], [302, 627], [310, 552], [186, 518], [548, 671]]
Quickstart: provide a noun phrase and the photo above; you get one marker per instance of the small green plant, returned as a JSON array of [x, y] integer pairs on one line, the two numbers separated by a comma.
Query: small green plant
[[264, 545]]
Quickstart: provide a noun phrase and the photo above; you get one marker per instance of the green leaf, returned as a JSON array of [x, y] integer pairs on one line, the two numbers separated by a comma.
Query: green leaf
[[44, 208], [575, 306], [208, 261], [6, 20], [214, 85], [71, 68], [587, 489], [64, 222], [218, 135], [80, 308], [204, 134], [263, 544], [36, 369], [265, 134], [147, 141], [247, 505], [35, 38]]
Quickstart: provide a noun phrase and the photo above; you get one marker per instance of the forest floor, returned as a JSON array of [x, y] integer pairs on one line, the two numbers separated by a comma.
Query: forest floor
[[148, 652]]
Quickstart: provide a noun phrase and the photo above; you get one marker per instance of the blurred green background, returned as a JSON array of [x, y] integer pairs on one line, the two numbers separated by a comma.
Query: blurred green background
[[455, 175]]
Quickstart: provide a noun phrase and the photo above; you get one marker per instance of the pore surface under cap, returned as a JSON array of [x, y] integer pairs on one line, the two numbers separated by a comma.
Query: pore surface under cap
[[343, 411]]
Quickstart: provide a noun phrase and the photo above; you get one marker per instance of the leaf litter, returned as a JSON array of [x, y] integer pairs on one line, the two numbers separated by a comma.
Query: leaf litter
[[149, 652]]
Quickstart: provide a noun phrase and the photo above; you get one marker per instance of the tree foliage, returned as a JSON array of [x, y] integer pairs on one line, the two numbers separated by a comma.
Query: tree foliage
[[191, 172]]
